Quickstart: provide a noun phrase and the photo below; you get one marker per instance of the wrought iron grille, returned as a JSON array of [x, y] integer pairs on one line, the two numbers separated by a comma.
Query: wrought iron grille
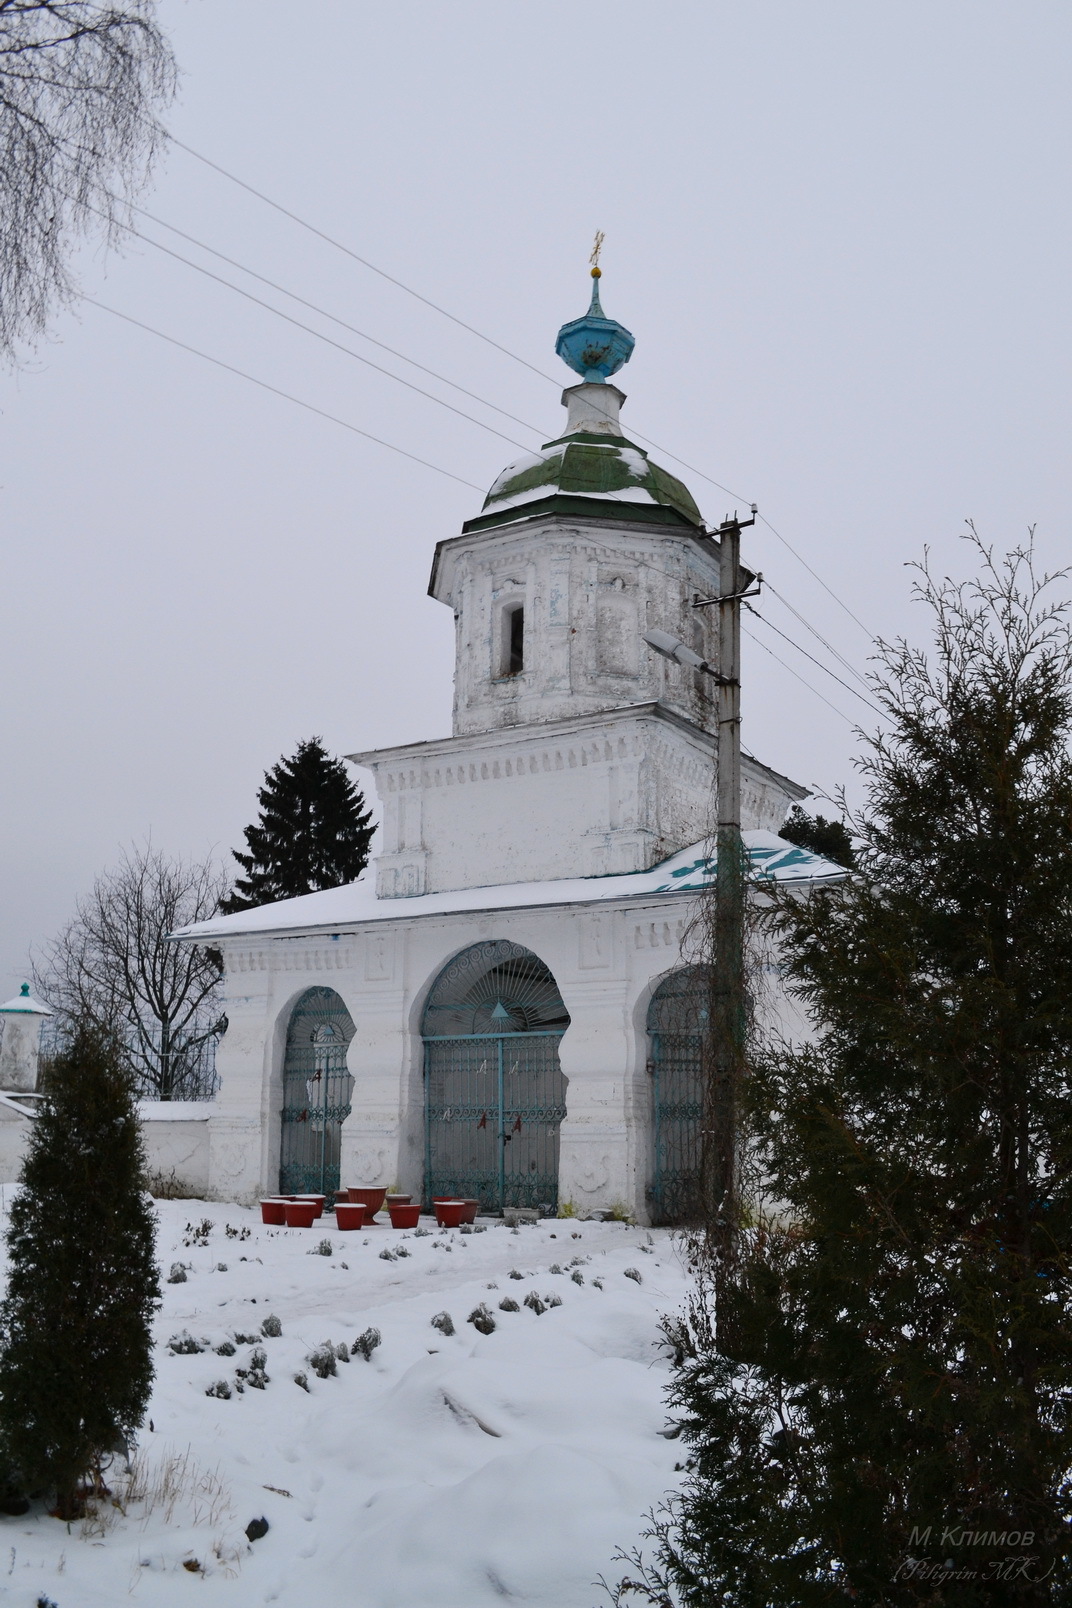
[[677, 1019], [316, 1093], [495, 1095]]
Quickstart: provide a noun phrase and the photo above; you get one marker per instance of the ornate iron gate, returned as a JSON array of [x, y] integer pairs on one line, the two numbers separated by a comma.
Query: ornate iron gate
[[316, 1093], [677, 1018], [495, 1095]]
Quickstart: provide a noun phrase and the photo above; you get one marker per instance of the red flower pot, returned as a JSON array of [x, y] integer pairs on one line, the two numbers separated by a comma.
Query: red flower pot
[[372, 1198], [273, 1211], [404, 1215], [398, 1200], [317, 1200], [451, 1213], [350, 1214], [471, 1209], [301, 1213]]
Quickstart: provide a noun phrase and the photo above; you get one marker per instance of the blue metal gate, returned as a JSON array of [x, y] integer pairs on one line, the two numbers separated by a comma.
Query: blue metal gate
[[316, 1093], [495, 1095], [677, 1019]]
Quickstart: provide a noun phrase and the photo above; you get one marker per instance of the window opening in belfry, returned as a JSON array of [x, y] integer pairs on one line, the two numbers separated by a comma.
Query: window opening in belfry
[[514, 641]]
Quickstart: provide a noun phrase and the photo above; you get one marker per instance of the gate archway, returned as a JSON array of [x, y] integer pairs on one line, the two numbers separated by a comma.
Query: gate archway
[[495, 1095], [677, 1021], [316, 1093]]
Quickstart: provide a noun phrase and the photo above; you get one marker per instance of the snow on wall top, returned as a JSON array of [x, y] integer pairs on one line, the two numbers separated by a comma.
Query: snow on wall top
[[176, 1110], [689, 871]]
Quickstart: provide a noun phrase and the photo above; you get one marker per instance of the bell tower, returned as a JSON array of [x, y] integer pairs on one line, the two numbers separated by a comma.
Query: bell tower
[[575, 752], [579, 549]]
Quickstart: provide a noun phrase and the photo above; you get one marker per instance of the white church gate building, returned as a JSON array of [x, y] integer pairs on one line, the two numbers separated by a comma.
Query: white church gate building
[[503, 1005]]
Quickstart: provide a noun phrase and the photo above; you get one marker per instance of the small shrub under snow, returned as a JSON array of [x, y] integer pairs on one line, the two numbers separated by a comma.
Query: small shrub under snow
[[365, 1344], [183, 1344], [323, 1361], [482, 1320]]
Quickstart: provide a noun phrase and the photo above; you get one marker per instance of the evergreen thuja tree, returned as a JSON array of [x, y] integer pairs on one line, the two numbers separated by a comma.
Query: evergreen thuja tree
[[313, 833], [891, 1421], [75, 1337], [832, 839]]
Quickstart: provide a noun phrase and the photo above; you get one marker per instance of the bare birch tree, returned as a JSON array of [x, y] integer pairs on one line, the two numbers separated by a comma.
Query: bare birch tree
[[113, 967], [80, 83]]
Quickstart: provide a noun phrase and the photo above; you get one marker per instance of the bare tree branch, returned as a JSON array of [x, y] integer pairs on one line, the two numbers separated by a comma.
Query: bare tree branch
[[80, 84], [113, 966]]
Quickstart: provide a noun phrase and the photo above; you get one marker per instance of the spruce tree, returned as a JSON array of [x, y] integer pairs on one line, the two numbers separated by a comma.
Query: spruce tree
[[75, 1338], [832, 839], [314, 831], [892, 1422]]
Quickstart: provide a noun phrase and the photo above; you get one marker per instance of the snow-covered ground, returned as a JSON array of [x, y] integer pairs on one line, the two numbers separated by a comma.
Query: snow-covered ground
[[448, 1471]]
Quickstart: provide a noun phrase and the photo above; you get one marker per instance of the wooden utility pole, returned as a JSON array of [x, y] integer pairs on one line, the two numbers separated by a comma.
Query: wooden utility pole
[[725, 1047]]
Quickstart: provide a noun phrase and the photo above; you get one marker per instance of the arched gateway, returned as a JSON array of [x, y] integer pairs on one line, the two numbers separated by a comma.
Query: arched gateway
[[316, 1093], [677, 1018], [495, 1095]]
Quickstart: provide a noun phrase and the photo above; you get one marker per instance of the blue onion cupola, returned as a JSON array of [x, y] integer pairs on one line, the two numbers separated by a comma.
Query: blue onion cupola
[[595, 346], [591, 470]]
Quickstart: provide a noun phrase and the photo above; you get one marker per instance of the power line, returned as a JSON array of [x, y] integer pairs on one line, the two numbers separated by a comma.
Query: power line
[[218, 279], [362, 260], [275, 390], [818, 662], [829, 646], [319, 335], [795, 674], [425, 463], [505, 350], [870, 635], [303, 301], [643, 564], [257, 301]]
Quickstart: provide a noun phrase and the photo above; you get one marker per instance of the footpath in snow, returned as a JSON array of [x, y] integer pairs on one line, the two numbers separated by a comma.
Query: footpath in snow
[[446, 1470]]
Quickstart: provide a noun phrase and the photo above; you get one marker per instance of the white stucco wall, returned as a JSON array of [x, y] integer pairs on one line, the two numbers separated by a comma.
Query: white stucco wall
[[14, 1129], [600, 795], [20, 1038], [175, 1135], [606, 960], [590, 588]]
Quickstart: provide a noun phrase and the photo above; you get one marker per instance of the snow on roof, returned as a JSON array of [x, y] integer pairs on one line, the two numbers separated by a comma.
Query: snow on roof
[[637, 494], [24, 1001], [689, 871]]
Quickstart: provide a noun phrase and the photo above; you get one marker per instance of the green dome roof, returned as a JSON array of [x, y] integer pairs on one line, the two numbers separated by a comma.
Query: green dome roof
[[603, 475]]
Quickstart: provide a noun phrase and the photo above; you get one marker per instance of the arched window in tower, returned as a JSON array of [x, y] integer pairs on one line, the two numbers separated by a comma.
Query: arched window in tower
[[512, 640]]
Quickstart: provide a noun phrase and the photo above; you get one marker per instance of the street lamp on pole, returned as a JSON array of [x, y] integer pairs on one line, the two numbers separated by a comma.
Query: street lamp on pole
[[671, 648]]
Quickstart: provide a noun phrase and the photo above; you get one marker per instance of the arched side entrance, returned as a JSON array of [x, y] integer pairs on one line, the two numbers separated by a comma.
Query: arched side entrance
[[495, 1095], [316, 1093], [677, 1018]]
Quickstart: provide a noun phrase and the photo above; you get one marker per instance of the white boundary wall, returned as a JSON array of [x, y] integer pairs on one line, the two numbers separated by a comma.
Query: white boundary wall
[[175, 1135]]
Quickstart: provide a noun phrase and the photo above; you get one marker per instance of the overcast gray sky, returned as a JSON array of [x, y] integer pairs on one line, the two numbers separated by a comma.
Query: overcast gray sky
[[839, 232]]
